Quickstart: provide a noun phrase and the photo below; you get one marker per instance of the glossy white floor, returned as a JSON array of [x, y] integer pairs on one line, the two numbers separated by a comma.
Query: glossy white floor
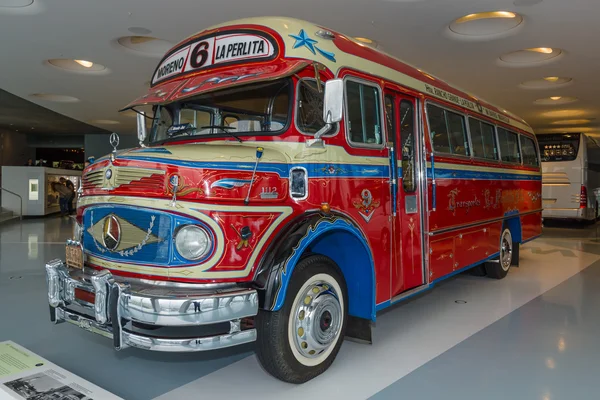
[[530, 336]]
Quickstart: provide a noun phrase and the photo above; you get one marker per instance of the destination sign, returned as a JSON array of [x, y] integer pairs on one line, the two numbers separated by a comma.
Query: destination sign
[[221, 49], [471, 105]]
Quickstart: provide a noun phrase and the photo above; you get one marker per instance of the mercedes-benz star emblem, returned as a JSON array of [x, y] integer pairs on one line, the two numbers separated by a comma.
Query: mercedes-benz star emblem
[[114, 140], [108, 173], [111, 232]]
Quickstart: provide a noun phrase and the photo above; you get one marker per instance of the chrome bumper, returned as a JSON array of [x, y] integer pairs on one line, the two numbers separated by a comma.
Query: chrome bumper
[[109, 305]]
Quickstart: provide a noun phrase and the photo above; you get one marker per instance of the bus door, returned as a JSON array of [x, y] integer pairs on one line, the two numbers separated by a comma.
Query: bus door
[[404, 135]]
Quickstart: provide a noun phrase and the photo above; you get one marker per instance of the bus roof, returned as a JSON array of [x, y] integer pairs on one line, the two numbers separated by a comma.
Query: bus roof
[[286, 44]]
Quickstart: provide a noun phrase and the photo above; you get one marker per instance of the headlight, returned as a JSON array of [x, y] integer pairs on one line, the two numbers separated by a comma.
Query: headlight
[[77, 231], [192, 242]]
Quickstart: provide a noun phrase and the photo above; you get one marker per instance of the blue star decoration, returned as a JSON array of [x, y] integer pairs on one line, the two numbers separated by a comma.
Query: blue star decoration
[[303, 40]]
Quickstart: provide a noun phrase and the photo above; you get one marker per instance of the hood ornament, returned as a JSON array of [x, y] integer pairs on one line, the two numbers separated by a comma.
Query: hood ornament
[[114, 142]]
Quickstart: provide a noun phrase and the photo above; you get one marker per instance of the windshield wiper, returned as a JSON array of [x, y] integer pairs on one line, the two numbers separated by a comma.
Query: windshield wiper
[[224, 129]]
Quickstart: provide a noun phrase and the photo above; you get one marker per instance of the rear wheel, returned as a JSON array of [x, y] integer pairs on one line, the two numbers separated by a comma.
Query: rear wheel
[[499, 269], [301, 340]]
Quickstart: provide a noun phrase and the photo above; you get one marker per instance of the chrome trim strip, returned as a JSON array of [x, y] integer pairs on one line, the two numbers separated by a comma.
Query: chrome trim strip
[[129, 339], [487, 221]]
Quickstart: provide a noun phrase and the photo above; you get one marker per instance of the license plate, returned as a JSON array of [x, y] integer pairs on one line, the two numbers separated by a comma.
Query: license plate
[[74, 256]]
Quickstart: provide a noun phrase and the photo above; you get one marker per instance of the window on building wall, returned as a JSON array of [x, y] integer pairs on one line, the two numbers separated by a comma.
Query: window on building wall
[[529, 151], [509, 146], [448, 131], [364, 114], [483, 139]]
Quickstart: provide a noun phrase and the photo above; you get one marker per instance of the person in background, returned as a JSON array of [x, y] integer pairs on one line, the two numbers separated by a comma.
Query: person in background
[[63, 194], [71, 187], [30, 163]]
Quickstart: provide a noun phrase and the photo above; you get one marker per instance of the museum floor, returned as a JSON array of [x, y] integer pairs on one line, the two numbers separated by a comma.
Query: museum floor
[[533, 335]]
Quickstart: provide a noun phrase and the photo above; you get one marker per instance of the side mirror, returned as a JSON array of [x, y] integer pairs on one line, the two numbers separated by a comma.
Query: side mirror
[[141, 128], [334, 101]]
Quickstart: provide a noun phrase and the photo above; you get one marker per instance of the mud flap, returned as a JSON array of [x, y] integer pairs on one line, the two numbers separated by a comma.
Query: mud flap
[[359, 330]]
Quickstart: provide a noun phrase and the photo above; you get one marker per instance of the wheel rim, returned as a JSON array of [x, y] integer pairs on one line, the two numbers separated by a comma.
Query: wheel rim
[[506, 251], [316, 319]]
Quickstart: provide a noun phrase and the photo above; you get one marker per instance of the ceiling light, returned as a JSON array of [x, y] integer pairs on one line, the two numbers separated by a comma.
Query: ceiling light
[[531, 56], [104, 122], [58, 98], [556, 100], [84, 63], [486, 15], [572, 122], [78, 66], [485, 23], [15, 3], [145, 45], [564, 113], [546, 82], [138, 30], [545, 50]]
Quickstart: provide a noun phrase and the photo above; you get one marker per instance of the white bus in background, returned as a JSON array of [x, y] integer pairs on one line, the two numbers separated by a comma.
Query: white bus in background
[[569, 181]]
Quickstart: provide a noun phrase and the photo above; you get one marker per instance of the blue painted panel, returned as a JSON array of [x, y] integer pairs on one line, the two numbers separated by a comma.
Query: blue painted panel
[[460, 174], [150, 222]]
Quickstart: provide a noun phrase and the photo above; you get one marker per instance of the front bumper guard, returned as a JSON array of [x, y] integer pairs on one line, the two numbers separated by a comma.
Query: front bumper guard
[[114, 303]]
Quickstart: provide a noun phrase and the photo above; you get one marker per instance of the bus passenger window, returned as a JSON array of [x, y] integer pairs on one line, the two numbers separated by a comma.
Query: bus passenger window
[[483, 139], [364, 114], [437, 129], [509, 146], [529, 151], [390, 118], [407, 138], [448, 132]]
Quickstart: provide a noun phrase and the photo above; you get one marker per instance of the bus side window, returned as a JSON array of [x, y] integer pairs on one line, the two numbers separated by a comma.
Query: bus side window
[[448, 131], [529, 151], [390, 119], [407, 129], [483, 139], [509, 146], [364, 114]]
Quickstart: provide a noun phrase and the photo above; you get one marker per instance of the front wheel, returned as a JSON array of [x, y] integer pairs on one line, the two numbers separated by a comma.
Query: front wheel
[[301, 340]]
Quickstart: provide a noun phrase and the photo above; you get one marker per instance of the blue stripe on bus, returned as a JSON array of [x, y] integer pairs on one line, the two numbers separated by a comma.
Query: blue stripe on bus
[[461, 174]]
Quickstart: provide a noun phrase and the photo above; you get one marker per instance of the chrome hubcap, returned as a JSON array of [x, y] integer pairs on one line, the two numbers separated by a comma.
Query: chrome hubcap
[[317, 319], [506, 252]]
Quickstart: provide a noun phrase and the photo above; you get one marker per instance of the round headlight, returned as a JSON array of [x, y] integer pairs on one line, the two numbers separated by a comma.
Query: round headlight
[[192, 242]]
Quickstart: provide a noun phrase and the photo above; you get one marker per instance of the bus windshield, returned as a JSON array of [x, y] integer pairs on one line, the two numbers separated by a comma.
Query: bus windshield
[[257, 109], [558, 147]]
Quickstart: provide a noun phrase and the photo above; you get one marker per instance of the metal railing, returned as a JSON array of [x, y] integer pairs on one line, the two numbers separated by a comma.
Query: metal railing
[[20, 199]]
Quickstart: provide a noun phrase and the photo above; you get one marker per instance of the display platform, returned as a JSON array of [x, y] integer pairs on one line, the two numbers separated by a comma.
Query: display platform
[[34, 185]]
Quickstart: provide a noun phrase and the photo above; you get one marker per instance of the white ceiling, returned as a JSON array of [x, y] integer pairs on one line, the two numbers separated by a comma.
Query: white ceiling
[[413, 30]]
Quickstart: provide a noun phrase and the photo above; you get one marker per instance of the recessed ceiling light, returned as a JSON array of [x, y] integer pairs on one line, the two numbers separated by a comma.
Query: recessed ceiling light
[[545, 50], [564, 113], [84, 63], [138, 30], [530, 57], [78, 66], [58, 98], [572, 122], [104, 122], [546, 83], [486, 23], [15, 3], [145, 45], [555, 100]]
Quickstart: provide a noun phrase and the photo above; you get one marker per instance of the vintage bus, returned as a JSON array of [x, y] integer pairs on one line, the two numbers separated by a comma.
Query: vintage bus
[[569, 180], [294, 183]]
